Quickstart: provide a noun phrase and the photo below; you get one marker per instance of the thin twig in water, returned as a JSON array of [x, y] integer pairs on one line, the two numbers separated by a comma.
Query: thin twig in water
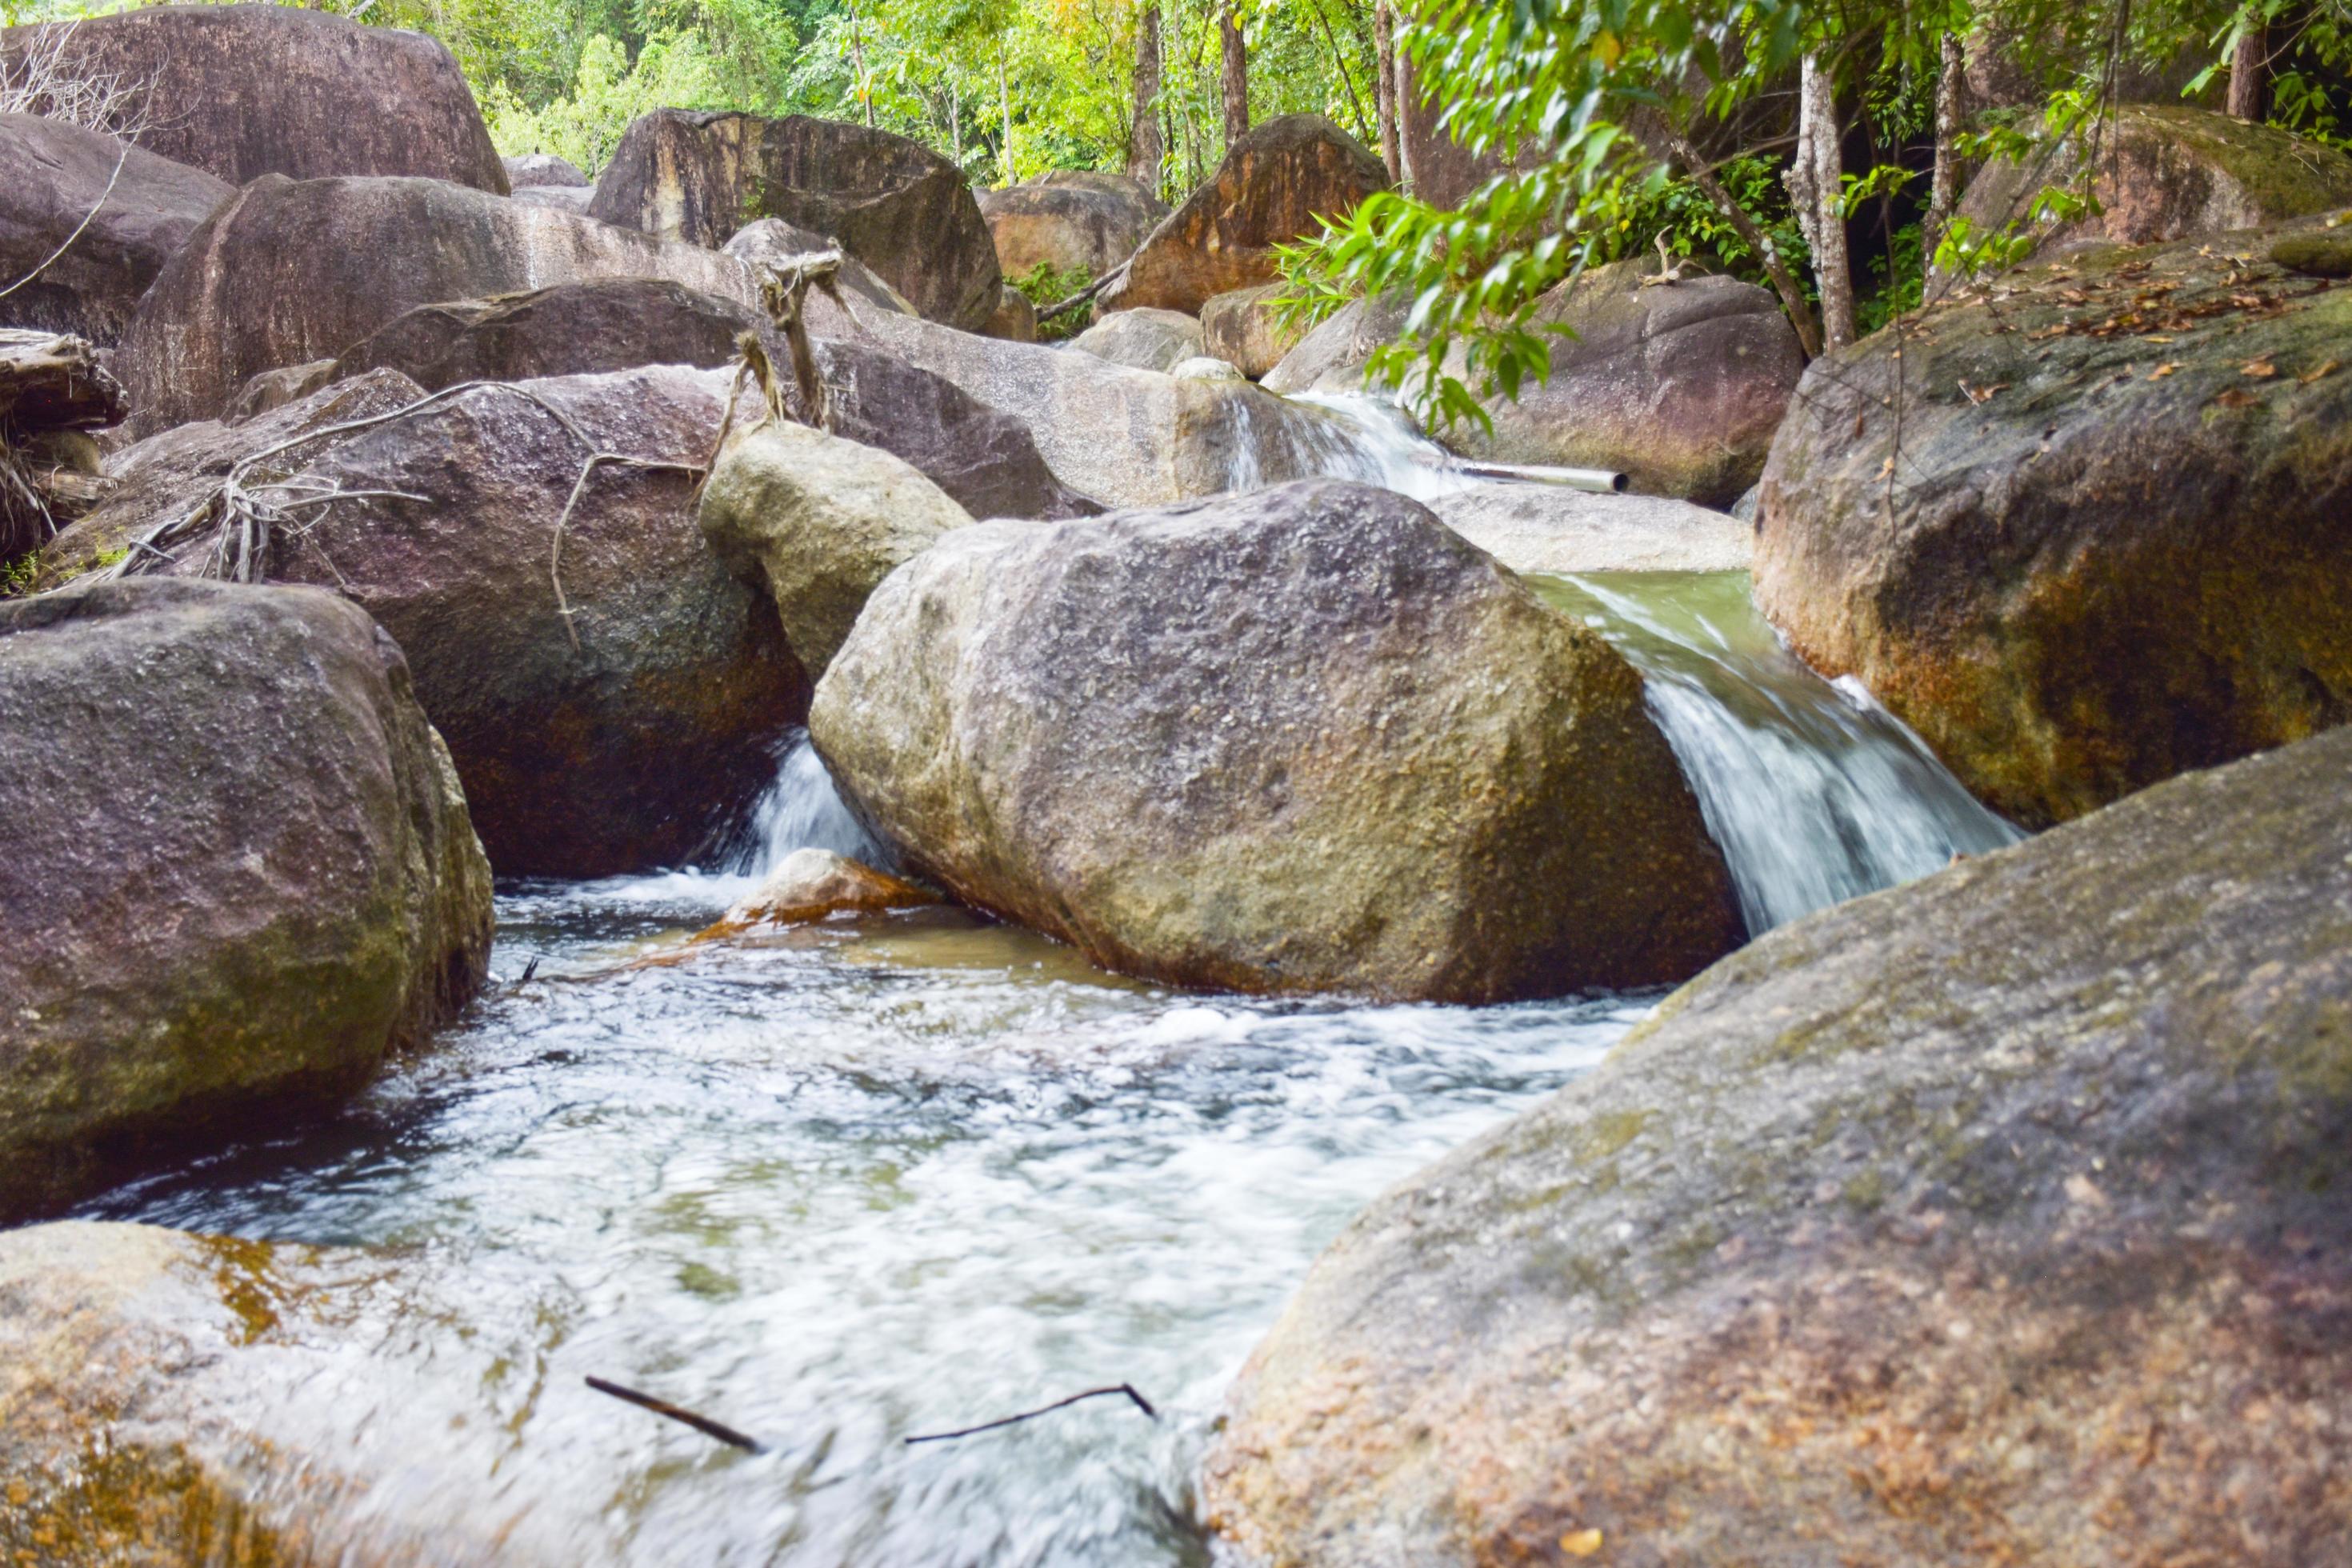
[[702, 1424], [1126, 1388]]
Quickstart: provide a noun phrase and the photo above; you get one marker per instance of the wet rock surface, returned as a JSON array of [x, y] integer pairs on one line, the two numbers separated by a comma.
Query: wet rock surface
[[240, 91], [235, 867], [1999, 1215], [2120, 540], [816, 884], [1197, 742]]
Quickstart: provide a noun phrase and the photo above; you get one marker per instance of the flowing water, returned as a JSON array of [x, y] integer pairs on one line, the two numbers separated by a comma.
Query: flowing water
[[860, 1182]]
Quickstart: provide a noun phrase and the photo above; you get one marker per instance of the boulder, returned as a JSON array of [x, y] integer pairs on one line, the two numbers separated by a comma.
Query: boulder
[[1679, 386], [2118, 540], [1069, 220], [1015, 319], [545, 171], [1555, 529], [1245, 329], [771, 241], [53, 180], [893, 203], [156, 480], [2168, 171], [1126, 436], [236, 869], [568, 329], [983, 459], [1436, 168], [1198, 744], [2319, 255], [1334, 353], [1143, 339], [1273, 185], [1996, 1218], [558, 198], [277, 388], [1206, 367], [256, 287], [818, 521], [813, 885], [614, 697], [240, 91]]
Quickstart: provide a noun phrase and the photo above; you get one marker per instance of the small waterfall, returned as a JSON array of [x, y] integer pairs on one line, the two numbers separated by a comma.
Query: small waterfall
[[1815, 793], [802, 810], [1368, 438]]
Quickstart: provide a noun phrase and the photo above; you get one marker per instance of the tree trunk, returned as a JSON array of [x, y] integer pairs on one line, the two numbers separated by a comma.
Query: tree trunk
[[1004, 103], [1667, 145], [858, 63], [1817, 185], [1949, 107], [1145, 150], [955, 123], [1384, 87], [2250, 72], [1234, 77]]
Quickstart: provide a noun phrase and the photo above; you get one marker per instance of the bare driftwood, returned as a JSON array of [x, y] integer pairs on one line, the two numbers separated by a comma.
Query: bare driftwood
[[702, 1424], [1087, 293], [783, 289], [1126, 1388]]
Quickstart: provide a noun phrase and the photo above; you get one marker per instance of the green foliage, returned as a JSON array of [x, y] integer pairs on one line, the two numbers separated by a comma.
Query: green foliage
[[606, 92], [1047, 284], [1694, 228]]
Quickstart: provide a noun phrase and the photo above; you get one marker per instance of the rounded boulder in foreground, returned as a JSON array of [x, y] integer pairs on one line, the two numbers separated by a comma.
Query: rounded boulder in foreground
[[1304, 740]]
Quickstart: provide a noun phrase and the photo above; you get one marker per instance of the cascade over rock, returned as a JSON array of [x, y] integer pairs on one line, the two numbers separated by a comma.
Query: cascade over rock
[[2102, 559], [1997, 1215], [240, 91], [53, 176], [2168, 171], [1199, 743], [1070, 220], [1275, 182], [817, 522], [234, 866], [290, 271], [892, 203]]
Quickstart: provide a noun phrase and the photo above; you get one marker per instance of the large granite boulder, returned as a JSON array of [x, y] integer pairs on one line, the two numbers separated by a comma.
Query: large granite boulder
[[291, 271], [152, 481], [818, 521], [1143, 339], [1124, 435], [1273, 185], [1996, 1218], [2115, 542], [53, 181], [1243, 328], [892, 203], [1306, 740], [245, 91], [2168, 171], [983, 459], [235, 867], [544, 171], [612, 695], [1069, 220]]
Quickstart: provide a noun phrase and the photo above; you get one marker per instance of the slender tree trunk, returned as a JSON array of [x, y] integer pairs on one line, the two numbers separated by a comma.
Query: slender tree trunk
[[1816, 186], [1950, 105], [955, 123], [2250, 72], [1668, 145], [1004, 103], [1145, 149], [1384, 90], [857, 63], [1234, 76]]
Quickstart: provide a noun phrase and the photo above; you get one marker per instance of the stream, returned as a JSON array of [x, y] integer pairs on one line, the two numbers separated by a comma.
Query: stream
[[856, 1183]]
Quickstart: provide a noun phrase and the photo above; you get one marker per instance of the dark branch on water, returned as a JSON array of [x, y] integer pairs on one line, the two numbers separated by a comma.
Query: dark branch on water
[[702, 1424], [1126, 1388]]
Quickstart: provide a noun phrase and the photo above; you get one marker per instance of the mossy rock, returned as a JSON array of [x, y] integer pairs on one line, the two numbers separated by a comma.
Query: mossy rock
[[2001, 1217], [2085, 527]]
